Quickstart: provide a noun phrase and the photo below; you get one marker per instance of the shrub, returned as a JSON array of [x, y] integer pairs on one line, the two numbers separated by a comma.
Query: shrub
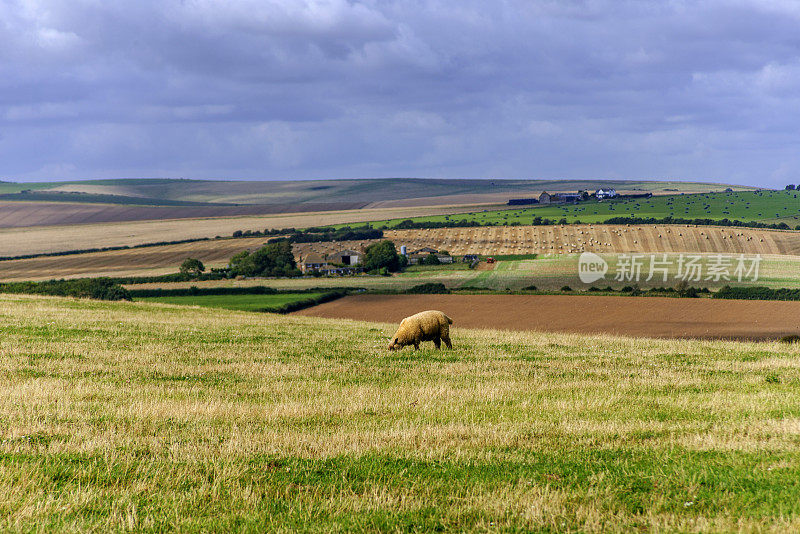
[[757, 293], [93, 288], [794, 338], [194, 290], [431, 259], [432, 288], [529, 288], [566, 288]]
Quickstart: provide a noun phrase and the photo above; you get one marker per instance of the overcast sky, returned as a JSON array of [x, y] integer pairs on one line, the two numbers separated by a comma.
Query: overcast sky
[[453, 88]]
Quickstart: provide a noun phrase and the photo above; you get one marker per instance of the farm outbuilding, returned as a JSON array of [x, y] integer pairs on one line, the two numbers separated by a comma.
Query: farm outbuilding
[[344, 257]]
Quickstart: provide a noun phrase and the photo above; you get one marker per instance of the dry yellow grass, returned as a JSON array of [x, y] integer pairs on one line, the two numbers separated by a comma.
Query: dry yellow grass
[[131, 416]]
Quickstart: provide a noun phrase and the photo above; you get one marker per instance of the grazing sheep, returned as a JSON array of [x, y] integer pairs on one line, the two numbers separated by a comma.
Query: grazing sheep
[[429, 325]]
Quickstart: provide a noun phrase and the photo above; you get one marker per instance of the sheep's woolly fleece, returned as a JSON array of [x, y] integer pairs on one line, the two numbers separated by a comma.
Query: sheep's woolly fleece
[[430, 325]]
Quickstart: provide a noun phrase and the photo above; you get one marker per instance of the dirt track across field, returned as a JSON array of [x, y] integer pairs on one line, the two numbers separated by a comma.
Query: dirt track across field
[[625, 316]]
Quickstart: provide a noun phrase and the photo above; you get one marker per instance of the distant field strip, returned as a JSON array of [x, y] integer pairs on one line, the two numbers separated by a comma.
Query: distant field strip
[[486, 240], [18, 214], [35, 240]]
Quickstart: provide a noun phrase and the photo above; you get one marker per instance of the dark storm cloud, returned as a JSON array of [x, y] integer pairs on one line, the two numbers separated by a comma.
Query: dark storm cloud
[[300, 89]]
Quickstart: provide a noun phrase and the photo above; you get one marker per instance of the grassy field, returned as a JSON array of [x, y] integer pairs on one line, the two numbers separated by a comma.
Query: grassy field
[[139, 416], [235, 302], [764, 206]]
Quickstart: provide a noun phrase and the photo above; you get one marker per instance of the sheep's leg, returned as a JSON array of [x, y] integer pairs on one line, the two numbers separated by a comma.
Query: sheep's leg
[[416, 346], [446, 340], [437, 342]]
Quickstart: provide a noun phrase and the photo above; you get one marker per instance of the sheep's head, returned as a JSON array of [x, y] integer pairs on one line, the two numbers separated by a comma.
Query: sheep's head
[[394, 344]]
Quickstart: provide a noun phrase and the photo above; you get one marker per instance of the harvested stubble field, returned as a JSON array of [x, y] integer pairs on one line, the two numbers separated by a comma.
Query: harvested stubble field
[[568, 239], [136, 416], [654, 317]]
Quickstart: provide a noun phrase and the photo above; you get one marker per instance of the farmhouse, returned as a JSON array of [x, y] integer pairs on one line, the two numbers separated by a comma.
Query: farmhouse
[[313, 262], [544, 198], [605, 193]]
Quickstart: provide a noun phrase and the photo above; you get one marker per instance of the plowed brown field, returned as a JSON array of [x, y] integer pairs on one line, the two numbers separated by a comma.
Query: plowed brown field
[[625, 316]]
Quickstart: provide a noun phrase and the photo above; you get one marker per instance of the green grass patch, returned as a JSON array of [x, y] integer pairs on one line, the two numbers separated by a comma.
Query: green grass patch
[[237, 302]]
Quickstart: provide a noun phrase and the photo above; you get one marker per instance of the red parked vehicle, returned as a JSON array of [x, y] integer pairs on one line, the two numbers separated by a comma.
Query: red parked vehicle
[[490, 260]]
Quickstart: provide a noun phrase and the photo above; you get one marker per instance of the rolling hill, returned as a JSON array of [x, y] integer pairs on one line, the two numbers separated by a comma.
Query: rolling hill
[[364, 191]]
